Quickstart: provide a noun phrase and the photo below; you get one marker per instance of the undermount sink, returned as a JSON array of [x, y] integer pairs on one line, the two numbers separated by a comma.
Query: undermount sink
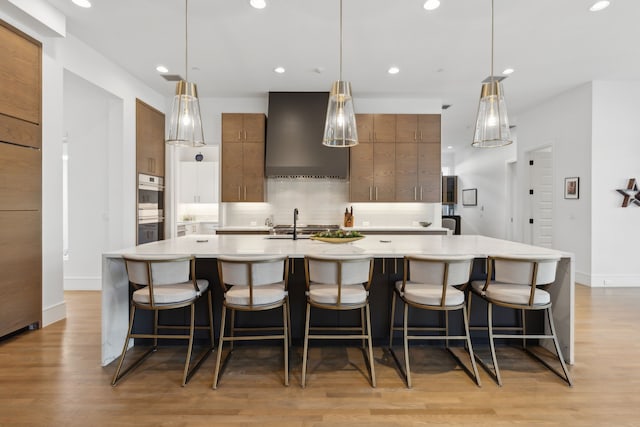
[[287, 236]]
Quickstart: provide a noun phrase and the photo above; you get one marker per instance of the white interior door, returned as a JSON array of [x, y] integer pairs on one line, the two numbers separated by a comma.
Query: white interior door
[[541, 182]]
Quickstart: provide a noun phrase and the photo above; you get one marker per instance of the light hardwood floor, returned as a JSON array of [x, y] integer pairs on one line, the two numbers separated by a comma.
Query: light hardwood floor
[[53, 377]]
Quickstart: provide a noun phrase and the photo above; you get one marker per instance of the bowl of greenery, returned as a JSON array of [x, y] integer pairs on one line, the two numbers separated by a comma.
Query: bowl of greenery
[[337, 236]]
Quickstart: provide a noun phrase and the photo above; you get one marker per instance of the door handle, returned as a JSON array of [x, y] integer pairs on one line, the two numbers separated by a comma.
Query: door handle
[[370, 193]]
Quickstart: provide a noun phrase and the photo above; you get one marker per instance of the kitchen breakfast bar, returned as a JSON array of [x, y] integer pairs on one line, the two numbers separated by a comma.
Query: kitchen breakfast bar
[[388, 251]]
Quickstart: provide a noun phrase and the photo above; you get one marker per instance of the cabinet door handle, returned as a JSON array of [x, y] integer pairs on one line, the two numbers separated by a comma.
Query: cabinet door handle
[[239, 135], [421, 192], [239, 198], [420, 135], [245, 135], [370, 193], [415, 135], [415, 193], [376, 193], [245, 192]]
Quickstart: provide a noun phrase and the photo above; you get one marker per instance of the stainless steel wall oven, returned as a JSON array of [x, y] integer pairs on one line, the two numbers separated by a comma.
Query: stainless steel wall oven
[[150, 208]]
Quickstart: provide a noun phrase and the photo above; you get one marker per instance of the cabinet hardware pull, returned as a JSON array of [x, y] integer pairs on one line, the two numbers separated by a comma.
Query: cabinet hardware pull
[[421, 192], [370, 194], [395, 265], [245, 192], [415, 193], [239, 198], [245, 135], [420, 135], [415, 135], [376, 193], [383, 263], [239, 135]]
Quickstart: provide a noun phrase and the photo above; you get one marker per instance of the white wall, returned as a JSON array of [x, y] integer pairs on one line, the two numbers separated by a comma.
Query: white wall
[[616, 154], [564, 123], [486, 170], [92, 123]]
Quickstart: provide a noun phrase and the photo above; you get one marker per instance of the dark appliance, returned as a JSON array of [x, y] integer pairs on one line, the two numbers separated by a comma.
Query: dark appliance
[[150, 208], [294, 138]]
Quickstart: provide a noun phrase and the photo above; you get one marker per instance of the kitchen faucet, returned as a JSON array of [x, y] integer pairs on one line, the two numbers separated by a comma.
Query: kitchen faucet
[[295, 221]]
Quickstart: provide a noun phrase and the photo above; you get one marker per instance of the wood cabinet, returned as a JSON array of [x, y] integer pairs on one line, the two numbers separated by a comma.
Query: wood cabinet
[[418, 128], [376, 127], [372, 172], [243, 141], [397, 160], [197, 183], [21, 75], [20, 181], [150, 145]]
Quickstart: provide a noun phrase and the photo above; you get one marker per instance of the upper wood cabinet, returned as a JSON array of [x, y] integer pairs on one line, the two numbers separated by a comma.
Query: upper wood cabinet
[[397, 160], [238, 127], [20, 71], [376, 127], [418, 128], [243, 138], [150, 145]]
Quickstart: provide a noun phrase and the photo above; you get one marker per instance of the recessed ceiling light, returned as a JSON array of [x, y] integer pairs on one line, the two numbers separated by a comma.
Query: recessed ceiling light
[[600, 5], [508, 71], [279, 70], [258, 4], [393, 70], [82, 3], [162, 69], [431, 4]]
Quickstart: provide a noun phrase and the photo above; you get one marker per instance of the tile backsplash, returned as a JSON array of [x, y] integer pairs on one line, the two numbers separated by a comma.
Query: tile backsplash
[[323, 201]]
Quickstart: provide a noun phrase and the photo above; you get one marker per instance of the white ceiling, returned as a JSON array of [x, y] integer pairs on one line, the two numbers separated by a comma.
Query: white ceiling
[[554, 45]]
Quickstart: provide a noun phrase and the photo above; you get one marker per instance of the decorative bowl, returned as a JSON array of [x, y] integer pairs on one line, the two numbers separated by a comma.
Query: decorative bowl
[[425, 223], [336, 239]]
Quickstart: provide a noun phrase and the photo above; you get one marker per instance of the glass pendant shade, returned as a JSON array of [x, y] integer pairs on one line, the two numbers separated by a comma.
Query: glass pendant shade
[[185, 122], [492, 123], [340, 125]]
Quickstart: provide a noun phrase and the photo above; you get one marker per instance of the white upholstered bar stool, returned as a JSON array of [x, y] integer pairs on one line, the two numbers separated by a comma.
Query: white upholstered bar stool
[[253, 283], [428, 283], [339, 283], [519, 282], [163, 283]]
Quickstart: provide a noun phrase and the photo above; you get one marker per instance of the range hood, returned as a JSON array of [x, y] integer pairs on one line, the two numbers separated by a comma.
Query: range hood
[[295, 125]]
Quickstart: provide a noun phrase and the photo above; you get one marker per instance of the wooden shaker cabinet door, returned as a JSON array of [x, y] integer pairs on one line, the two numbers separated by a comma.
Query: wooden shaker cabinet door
[[254, 127], [407, 128], [384, 127], [429, 173], [253, 176], [407, 172], [150, 145], [384, 157], [364, 124]]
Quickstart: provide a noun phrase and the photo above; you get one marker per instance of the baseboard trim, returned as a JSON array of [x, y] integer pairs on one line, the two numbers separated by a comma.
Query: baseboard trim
[[83, 283], [54, 313], [609, 280]]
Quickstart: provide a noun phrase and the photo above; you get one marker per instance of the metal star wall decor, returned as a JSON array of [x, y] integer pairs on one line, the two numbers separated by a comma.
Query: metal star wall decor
[[631, 194]]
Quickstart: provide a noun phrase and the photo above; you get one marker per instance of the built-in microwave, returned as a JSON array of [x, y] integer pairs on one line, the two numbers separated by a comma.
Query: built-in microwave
[[150, 208]]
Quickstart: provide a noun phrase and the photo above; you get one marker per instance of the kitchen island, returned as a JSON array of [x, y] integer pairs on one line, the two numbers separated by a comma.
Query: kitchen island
[[388, 250]]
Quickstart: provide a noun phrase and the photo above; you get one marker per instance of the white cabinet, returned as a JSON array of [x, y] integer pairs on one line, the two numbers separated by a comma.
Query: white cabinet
[[198, 183]]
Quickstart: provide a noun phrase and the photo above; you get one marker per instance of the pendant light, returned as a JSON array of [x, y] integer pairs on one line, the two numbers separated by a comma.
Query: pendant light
[[185, 123], [340, 125], [492, 123]]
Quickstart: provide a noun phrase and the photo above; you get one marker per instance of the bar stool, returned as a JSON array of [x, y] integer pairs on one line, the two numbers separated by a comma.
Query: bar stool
[[253, 284], [164, 283], [515, 284], [428, 284], [339, 283]]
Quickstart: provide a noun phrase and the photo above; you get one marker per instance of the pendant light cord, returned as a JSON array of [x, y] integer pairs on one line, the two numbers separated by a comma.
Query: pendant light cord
[[186, 40], [491, 42], [340, 40]]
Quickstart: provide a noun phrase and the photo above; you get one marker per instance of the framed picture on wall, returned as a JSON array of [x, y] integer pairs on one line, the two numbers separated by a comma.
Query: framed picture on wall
[[470, 197], [572, 188]]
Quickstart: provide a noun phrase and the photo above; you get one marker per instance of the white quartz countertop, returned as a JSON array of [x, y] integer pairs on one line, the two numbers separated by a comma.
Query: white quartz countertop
[[382, 246], [395, 228], [245, 228]]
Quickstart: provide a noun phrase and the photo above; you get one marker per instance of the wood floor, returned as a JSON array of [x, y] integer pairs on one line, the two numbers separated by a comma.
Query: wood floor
[[53, 377]]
